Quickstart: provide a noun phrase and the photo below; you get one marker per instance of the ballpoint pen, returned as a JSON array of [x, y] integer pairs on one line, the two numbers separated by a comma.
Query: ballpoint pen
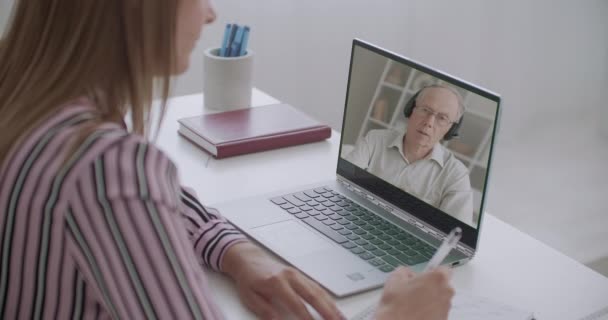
[[444, 249], [450, 241]]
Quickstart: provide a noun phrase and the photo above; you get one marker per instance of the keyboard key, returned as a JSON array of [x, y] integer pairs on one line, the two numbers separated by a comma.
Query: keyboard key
[[391, 232], [342, 203], [319, 190], [328, 222], [352, 237], [305, 208], [350, 217], [344, 232], [335, 199], [410, 252], [343, 222], [376, 241], [325, 230], [337, 227], [318, 206], [351, 209], [359, 231], [358, 213], [376, 232], [376, 262], [321, 200], [278, 200], [393, 252], [343, 213], [302, 197], [403, 258], [386, 268], [366, 255], [349, 245], [426, 255], [357, 250], [368, 236], [336, 208], [402, 236], [351, 227], [327, 212], [313, 213], [369, 247], [417, 259], [383, 226], [361, 242], [378, 253], [293, 200], [392, 261], [384, 246], [301, 215], [328, 195], [294, 210], [321, 217], [360, 222], [375, 222], [384, 237], [393, 242], [401, 247], [335, 216], [286, 206], [311, 194]]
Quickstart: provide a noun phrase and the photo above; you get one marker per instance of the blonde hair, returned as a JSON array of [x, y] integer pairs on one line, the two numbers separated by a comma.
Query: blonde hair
[[115, 52]]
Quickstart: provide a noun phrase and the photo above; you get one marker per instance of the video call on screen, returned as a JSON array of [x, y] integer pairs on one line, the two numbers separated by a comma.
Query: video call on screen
[[383, 131]]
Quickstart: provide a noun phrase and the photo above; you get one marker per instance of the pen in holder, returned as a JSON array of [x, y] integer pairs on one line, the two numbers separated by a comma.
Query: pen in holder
[[227, 81]]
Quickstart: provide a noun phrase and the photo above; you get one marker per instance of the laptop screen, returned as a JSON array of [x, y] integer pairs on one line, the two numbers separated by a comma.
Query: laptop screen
[[418, 138]]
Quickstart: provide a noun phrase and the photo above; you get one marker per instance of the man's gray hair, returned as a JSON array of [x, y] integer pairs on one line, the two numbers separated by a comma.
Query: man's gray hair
[[461, 105]]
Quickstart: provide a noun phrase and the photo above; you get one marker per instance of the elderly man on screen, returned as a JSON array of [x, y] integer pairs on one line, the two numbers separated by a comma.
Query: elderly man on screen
[[415, 161]]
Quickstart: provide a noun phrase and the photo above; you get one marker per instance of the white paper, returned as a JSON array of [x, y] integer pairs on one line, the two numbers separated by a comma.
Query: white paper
[[468, 307]]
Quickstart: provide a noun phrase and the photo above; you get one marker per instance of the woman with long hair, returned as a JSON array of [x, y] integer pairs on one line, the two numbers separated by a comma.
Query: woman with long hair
[[93, 220]]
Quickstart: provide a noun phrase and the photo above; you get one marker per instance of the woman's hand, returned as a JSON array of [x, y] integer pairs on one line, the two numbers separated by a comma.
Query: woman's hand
[[267, 287], [425, 296]]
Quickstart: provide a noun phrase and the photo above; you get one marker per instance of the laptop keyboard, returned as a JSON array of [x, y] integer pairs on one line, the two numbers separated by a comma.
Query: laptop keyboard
[[365, 234]]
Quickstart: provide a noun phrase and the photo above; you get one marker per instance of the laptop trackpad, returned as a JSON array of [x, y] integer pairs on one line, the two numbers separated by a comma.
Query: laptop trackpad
[[290, 239]]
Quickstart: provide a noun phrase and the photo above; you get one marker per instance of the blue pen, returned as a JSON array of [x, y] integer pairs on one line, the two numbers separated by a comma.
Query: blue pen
[[233, 31], [236, 44], [227, 33], [243, 50]]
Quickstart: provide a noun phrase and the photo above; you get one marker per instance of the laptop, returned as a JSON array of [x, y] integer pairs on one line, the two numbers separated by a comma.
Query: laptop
[[382, 210]]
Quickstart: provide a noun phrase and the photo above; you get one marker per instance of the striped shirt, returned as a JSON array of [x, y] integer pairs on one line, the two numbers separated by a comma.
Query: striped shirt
[[108, 233]]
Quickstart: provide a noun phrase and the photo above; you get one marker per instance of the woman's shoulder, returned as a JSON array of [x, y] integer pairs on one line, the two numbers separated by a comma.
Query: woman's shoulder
[[128, 164]]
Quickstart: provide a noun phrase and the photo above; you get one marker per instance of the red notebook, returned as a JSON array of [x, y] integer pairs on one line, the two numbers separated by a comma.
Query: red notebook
[[250, 130]]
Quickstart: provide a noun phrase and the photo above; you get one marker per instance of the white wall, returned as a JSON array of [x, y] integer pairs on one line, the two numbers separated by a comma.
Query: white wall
[[544, 57]]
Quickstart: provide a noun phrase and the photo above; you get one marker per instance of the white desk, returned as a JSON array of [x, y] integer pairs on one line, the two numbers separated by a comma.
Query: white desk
[[510, 266]]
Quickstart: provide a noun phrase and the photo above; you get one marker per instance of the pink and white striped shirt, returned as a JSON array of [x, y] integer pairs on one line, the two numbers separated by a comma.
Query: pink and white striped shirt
[[107, 234]]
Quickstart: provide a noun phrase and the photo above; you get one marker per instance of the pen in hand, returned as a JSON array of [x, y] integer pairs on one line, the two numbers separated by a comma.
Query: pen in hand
[[450, 241], [444, 249]]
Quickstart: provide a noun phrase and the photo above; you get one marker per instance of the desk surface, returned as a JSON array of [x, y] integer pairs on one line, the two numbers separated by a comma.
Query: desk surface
[[510, 266]]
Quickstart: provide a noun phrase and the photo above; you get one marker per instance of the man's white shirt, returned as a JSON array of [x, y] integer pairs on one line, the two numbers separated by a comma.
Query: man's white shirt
[[440, 179]]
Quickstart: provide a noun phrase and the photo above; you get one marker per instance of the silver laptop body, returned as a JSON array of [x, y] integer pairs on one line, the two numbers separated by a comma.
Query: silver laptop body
[[349, 233]]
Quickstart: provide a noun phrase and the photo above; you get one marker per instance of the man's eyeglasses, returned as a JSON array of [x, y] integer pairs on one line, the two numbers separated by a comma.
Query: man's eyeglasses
[[442, 119]]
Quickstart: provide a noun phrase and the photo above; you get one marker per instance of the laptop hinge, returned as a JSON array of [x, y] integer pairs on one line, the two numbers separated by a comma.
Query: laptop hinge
[[403, 215]]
